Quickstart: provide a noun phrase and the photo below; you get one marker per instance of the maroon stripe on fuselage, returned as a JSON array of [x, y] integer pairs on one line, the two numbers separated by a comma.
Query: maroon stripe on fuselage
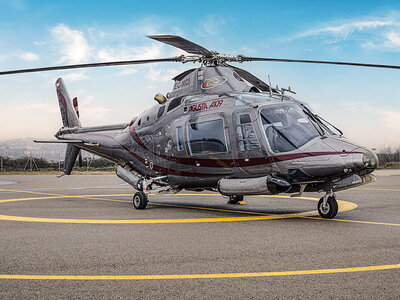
[[135, 136], [229, 163], [170, 171]]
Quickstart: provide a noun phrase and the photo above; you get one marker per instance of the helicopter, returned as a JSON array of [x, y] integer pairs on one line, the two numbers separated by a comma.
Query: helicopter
[[220, 129]]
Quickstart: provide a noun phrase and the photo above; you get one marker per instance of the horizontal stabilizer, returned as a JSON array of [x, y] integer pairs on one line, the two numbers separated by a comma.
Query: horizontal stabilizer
[[59, 141], [102, 128]]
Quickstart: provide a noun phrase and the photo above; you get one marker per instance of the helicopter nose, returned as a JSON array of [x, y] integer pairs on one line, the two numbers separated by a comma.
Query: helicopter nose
[[366, 163]]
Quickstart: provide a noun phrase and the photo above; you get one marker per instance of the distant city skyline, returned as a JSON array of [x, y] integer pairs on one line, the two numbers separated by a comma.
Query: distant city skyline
[[363, 102]]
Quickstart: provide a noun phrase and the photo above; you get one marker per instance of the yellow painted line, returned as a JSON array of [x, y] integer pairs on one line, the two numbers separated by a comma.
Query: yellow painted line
[[26, 191], [201, 276], [353, 221], [34, 198], [144, 221]]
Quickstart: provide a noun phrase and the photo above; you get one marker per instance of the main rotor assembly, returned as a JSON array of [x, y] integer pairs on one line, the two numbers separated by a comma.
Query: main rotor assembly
[[201, 55]]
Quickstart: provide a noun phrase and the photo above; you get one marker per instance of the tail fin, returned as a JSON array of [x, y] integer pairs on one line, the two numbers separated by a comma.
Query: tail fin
[[69, 116]]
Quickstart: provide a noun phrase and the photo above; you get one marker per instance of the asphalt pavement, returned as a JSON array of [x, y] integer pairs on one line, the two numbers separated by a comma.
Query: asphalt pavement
[[80, 237]]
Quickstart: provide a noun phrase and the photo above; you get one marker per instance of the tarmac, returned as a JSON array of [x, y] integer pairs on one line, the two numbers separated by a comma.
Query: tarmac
[[80, 237]]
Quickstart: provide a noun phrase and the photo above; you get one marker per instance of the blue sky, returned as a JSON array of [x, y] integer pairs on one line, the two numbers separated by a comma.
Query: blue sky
[[364, 103]]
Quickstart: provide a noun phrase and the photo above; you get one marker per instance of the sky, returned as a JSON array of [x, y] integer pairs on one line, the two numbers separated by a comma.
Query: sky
[[363, 102]]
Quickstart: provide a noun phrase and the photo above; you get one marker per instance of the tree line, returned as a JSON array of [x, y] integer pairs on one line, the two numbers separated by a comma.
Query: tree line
[[389, 157], [8, 164]]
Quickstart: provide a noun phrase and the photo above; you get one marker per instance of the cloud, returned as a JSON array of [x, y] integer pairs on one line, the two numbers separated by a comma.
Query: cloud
[[76, 76], [130, 53], [39, 44], [379, 33], [162, 75], [390, 41], [29, 56], [128, 71], [346, 29], [99, 44], [90, 112], [72, 44], [212, 25]]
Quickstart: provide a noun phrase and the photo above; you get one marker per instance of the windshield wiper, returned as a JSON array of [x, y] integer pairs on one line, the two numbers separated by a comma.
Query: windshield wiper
[[278, 131], [313, 118], [320, 118]]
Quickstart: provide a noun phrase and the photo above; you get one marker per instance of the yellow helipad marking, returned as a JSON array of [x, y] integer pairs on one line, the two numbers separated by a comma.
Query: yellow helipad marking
[[201, 276], [343, 206], [146, 221], [354, 221]]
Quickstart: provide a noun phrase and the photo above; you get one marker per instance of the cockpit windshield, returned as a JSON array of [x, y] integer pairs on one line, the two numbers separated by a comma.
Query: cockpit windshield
[[287, 126]]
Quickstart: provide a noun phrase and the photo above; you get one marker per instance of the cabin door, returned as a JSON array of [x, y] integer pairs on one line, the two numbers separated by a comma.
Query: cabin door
[[249, 153]]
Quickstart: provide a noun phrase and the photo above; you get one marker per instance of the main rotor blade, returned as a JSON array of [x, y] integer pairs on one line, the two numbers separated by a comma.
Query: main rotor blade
[[94, 65], [181, 43], [245, 58], [257, 82]]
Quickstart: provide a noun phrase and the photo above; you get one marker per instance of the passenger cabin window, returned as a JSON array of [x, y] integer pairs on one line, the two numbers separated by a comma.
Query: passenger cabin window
[[207, 137], [160, 111], [245, 132], [179, 138], [174, 103]]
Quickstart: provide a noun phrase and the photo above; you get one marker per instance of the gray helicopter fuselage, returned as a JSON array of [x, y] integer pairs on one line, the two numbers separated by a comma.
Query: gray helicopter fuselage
[[213, 125]]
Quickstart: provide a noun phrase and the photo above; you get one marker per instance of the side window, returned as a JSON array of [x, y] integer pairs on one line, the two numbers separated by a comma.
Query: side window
[[246, 136], [174, 103], [179, 138], [160, 111], [207, 137]]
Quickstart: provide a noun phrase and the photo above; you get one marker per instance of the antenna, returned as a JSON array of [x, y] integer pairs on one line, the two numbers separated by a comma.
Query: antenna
[[270, 88], [288, 90]]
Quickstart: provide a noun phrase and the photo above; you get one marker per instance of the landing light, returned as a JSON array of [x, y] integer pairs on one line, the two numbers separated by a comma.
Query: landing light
[[370, 160]]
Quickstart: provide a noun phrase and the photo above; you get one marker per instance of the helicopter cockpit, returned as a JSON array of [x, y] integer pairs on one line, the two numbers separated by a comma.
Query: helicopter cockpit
[[287, 127], [287, 123]]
